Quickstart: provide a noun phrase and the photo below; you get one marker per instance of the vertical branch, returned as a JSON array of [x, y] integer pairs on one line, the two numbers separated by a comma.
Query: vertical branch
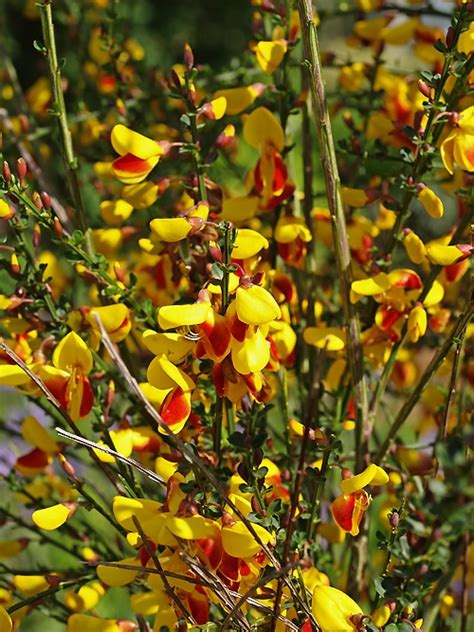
[[59, 106], [341, 244]]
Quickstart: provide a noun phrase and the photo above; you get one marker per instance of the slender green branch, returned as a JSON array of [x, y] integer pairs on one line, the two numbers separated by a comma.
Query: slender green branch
[[338, 222], [59, 107], [47, 593], [431, 369]]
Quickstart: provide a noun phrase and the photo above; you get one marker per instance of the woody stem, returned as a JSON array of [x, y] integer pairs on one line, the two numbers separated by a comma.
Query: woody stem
[[312, 63]]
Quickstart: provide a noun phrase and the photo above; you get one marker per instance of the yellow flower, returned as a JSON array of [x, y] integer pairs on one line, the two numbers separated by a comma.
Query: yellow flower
[[458, 146], [138, 154], [333, 609]]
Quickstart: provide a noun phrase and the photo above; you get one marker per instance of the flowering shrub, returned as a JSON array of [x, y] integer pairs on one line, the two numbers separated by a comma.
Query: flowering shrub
[[236, 346]]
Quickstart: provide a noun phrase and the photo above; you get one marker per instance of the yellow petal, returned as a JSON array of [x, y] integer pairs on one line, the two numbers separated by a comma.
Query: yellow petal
[[256, 306], [174, 346], [6, 624], [435, 295], [113, 576], [431, 203], [72, 352], [371, 286], [146, 603], [193, 528], [34, 433], [240, 209], [261, 128], [140, 195], [115, 211], [252, 354], [85, 623], [270, 55], [332, 609], [239, 542], [218, 107], [12, 375], [354, 197], [371, 474], [170, 229], [381, 615], [52, 517], [415, 248], [164, 374], [126, 141], [238, 99], [443, 255], [164, 468], [30, 584], [142, 508], [248, 243], [173, 316], [329, 338], [86, 598]]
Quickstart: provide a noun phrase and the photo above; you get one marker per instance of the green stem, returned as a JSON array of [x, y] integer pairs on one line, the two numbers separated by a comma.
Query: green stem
[[338, 222], [315, 502], [433, 366], [59, 106]]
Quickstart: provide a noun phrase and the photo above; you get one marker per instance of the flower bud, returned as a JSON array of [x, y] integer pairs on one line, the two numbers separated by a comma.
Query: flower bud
[[15, 264], [424, 88], [46, 199], [58, 229], [21, 168], [7, 174], [188, 56]]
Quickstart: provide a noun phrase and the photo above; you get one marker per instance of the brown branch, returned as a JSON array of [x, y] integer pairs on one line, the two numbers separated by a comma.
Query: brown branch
[[312, 62]]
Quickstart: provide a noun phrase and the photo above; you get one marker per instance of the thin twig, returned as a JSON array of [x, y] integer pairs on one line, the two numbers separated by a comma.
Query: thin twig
[[59, 106], [168, 589], [261, 582], [431, 369], [52, 399]]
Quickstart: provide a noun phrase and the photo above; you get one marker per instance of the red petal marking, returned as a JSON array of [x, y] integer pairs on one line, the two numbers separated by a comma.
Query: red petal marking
[[230, 566], [58, 387], [218, 336], [218, 379], [283, 283], [408, 280], [238, 328], [343, 510], [36, 459], [87, 397], [211, 548], [280, 173], [456, 271], [389, 317], [130, 163], [199, 606], [306, 627], [176, 407]]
